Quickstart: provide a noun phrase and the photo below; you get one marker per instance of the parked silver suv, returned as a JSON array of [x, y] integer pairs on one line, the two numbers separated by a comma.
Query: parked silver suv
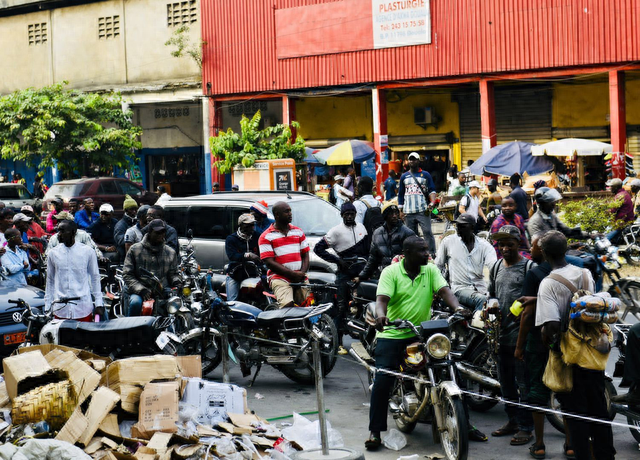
[[213, 217]]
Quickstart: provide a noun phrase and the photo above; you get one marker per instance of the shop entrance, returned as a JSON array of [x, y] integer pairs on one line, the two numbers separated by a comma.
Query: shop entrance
[[179, 173]]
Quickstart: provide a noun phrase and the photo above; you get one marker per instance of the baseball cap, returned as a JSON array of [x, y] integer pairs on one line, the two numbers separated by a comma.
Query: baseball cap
[[466, 218], [506, 231], [106, 207], [347, 207], [614, 181], [414, 155], [338, 177], [246, 219], [26, 207], [635, 183], [474, 183], [157, 225], [235, 187], [260, 206], [20, 217], [63, 215], [389, 206]]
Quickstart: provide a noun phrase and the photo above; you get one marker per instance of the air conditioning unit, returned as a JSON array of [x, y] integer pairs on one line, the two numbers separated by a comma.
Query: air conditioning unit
[[423, 115]]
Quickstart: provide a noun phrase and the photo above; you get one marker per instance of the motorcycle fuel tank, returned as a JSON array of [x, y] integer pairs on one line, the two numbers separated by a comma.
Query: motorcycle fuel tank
[[243, 313]]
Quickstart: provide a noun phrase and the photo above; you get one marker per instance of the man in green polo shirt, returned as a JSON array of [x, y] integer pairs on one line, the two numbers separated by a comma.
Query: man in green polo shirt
[[405, 291]]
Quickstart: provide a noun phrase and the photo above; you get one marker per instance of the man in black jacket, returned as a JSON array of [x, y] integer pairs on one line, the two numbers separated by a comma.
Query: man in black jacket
[[157, 212], [349, 241], [101, 232], [386, 242], [242, 247], [128, 220]]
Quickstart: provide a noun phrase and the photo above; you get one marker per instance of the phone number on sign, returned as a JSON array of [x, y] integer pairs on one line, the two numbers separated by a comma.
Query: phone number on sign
[[402, 25]]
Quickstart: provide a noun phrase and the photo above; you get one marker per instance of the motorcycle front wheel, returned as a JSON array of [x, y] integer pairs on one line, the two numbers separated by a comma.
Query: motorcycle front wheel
[[211, 357], [632, 254], [303, 372], [455, 433], [630, 298]]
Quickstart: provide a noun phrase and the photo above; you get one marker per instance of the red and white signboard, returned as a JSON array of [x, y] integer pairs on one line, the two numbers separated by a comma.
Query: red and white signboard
[[400, 23]]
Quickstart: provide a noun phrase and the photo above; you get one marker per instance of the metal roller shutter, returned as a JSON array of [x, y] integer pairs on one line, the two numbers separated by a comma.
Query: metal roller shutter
[[633, 143], [470, 130]]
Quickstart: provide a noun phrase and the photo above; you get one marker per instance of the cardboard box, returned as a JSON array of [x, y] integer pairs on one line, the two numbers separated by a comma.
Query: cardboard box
[[214, 400], [158, 409], [103, 400], [190, 366], [83, 378], [27, 371], [84, 355]]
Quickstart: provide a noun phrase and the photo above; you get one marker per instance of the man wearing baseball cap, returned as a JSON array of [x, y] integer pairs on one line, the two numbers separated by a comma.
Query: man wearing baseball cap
[[153, 255], [470, 203], [466, 255], [102, 232], [624, 212], [506, 278], [416, 199], [241, 248], [259, 210]]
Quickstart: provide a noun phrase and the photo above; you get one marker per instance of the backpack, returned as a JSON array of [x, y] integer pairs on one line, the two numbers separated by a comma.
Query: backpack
[[456, 213], [372, 218], [332, 195], [494, 271]]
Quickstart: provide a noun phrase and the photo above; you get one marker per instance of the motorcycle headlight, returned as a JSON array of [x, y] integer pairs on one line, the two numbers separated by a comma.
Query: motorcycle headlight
[[438, 346], [186, 291], [173, 305]]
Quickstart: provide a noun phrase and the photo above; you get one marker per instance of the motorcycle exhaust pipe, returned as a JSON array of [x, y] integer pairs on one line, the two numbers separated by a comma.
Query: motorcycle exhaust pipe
[[355, 327], [477, 377]]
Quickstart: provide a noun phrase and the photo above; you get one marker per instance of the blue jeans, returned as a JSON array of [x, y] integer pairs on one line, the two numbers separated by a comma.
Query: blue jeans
[[135, 305], [471, 298], [613, 235], [233, 289]]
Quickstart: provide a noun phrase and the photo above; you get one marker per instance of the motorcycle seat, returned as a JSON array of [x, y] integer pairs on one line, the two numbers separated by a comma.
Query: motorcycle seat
[[218, 281], [283, 313], [321, 278], [367, 290], [114, 333]]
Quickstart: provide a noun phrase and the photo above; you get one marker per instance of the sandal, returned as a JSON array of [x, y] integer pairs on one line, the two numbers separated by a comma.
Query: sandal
[[566, 449], [535, 448], [373, 443], [521, 438], [505, 430]]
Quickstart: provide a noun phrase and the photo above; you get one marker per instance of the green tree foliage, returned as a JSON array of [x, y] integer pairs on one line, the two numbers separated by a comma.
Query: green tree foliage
[[253, 143], [181, 42], [592, 214], [71, 128]]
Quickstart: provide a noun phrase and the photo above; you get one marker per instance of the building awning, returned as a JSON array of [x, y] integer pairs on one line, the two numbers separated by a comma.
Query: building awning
[[421, 142]]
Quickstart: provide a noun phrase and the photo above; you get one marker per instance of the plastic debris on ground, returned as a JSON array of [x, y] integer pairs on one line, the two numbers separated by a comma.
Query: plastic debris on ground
[[394, 440], [144, 408]]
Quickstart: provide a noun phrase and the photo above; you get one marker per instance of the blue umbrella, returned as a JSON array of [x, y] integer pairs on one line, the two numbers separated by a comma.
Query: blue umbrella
[[309, 158], [510, 158]]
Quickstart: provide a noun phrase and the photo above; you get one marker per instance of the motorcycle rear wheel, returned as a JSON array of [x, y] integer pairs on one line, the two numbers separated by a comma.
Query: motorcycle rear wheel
[[303, 373], [211, 357], [478, 359], [631, 290], [455, 437], [635, 432], [632, 254]]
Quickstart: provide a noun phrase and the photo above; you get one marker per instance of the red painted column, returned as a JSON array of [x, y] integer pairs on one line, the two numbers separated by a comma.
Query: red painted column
[[487, 116], [215, 125], [379, 103], [289, 114], [618, 120]]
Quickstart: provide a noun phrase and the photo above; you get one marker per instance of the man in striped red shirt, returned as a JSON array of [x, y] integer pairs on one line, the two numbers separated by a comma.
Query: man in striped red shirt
[[285, 251]]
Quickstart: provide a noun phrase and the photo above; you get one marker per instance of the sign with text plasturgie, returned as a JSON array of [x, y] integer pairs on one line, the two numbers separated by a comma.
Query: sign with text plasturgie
[[401, 23]]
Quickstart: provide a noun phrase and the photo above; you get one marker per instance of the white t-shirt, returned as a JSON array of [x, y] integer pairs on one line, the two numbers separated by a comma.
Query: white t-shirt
[[554, 297], [471, 204]]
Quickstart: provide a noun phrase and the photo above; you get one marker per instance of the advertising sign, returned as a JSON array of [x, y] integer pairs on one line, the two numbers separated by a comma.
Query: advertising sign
[[400, 23]]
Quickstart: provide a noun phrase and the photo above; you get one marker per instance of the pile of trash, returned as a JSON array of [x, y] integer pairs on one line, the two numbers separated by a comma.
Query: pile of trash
[[65, 403]]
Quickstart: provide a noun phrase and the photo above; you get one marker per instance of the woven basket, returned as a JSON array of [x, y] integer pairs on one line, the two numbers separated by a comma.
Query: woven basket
[[53, 403]]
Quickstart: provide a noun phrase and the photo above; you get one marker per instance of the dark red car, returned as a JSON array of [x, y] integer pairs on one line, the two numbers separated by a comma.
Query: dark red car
[[110, 190]]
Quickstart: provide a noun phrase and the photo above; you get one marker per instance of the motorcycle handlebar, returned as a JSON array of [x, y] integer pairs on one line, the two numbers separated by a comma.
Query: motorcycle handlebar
[[66, 299]]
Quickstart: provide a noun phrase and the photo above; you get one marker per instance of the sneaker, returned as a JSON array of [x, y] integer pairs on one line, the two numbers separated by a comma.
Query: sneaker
[[342, 350]]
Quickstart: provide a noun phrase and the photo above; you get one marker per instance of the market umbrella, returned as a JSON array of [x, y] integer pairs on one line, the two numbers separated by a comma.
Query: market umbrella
[[510, 158], [309, 158], [345, 153], [571, 146]]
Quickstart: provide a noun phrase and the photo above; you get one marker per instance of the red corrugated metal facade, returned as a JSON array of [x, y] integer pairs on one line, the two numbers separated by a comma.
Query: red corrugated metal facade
[[469, 37]]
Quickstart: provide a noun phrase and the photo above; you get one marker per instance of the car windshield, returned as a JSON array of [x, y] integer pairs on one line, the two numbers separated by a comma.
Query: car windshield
[[314, 216], [64, 190]]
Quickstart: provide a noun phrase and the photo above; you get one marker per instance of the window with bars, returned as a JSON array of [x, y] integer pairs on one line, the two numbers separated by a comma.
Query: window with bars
[[182, 13], [108, 27], [37, 33]]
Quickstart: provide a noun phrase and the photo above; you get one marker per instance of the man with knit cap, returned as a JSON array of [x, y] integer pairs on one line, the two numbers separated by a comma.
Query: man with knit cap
[[128, 220], [260, 210], [349, 241], [241, 248]]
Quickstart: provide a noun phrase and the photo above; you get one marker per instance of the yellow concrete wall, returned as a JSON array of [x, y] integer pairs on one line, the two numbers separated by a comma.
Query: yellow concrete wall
[[577, 105], [335, 117], [400, 114], [632, 97], [23, 65]]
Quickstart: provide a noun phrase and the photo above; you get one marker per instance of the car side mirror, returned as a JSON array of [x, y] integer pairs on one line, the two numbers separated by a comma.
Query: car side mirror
[[190, 234]]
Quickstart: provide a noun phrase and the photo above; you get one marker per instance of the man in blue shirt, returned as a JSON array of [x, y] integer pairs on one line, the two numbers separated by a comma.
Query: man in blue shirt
[[86, 217], [390, 186], [519, 196], [415, 186], [14, 260]]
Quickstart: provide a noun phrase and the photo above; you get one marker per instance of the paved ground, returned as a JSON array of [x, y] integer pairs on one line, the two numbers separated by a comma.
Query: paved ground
[[347, 398]]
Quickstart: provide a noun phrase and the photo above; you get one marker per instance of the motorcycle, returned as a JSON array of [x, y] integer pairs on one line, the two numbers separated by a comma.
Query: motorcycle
[[626, 289], [630, 239], [119, 338], [281, 338], [428, 390], [631, 412]]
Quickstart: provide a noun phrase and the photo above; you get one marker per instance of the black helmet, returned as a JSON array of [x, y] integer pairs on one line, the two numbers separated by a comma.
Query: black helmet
[[547, 195], [492, 182]]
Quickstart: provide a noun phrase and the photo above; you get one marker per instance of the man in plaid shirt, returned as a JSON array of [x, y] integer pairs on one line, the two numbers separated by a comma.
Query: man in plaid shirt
[[415, 186]]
